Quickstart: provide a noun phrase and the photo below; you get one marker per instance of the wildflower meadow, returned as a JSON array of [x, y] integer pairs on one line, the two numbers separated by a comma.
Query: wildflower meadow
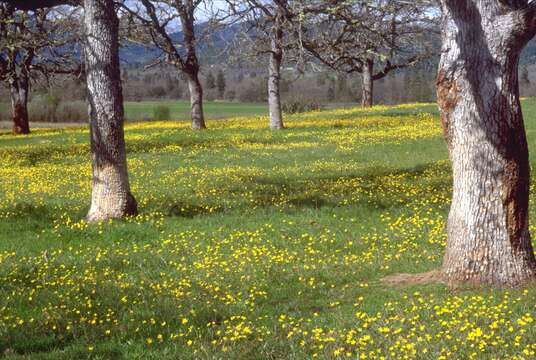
[[250, 244]]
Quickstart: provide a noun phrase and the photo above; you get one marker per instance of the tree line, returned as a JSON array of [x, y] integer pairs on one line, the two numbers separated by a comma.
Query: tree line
[[374, 39], [477, 89]]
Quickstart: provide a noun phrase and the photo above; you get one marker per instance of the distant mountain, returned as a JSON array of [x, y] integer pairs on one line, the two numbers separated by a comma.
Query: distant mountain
[[210, 50]]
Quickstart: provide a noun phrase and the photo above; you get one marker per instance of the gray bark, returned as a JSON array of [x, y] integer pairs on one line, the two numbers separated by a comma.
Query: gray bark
[[488, 237], [368, 83], [111, 196], [274, 79], [196, 101], [19, 104], [191, 66]]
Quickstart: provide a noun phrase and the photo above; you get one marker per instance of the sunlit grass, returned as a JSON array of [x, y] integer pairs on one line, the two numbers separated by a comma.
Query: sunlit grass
[[250, 244]]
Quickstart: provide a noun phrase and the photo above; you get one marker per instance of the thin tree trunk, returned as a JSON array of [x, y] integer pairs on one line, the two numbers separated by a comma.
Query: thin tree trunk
[[196, 100], [19, 104], [191, 66], [274, 79], [111, 197], [488, 237], [368, 84]]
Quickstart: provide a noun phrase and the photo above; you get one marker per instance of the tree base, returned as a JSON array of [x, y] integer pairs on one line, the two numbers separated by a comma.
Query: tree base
[[439, 276], [199, 126], [456, 280], [104, 213], [17, 130]]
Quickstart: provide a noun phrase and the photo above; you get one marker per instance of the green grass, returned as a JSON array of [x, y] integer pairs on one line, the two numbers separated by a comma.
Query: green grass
[[250, 244], [180, 109]]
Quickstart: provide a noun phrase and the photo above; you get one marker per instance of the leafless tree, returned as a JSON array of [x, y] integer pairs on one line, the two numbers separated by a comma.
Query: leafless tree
[[158, 20], [111, 196], [266, 29], [372, 38], [34, 45], [478, 94]]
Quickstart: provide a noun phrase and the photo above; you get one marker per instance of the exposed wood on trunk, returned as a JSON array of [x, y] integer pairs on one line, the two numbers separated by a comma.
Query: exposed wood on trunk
[[488, 237], [447, 98], [111, 196]]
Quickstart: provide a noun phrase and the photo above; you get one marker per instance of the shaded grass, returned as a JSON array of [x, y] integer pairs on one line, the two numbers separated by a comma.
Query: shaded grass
[[239, 227]]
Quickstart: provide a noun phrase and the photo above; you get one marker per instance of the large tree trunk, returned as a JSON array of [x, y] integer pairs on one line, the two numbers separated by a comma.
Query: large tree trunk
[[196, 100], [488, 237], [19, 105], [274, 79], [111, 197], [368, 84]]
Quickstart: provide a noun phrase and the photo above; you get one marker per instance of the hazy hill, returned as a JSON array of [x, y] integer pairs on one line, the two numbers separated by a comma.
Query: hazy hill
[[212, 49]]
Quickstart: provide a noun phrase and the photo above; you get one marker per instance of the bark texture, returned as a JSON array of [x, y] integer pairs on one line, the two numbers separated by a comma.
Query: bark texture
[[111, 196], [191, 67], [19, 104], [196, 101], [368, 83], [274, 79], [488, 237]]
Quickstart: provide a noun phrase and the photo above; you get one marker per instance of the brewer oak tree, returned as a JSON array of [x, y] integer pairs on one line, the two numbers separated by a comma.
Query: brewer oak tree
[[267, 28], [488, 237], [33, 46], [371, 38], [111, 196], [154, 22]]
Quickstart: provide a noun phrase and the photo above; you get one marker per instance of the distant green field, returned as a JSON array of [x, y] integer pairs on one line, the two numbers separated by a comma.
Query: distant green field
[[180, 109]]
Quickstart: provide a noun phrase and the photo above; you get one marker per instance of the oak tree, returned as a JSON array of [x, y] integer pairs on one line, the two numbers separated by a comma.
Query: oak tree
[[478, 95], [111, 196], [154, 24], [34, 45], [372, 38], [267, 27]]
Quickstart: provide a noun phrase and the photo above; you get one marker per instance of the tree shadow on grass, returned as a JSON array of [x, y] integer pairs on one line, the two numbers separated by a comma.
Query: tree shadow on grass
[[176, 208], [303, 193]]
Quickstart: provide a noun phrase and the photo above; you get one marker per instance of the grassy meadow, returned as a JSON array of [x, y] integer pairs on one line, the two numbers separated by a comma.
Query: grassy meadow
[[250, 244], [180, 109], [143, 111]]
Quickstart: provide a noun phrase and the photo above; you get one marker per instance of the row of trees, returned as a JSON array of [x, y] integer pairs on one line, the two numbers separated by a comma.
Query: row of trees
[[30, 46], [349, 37], [488, 237]]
